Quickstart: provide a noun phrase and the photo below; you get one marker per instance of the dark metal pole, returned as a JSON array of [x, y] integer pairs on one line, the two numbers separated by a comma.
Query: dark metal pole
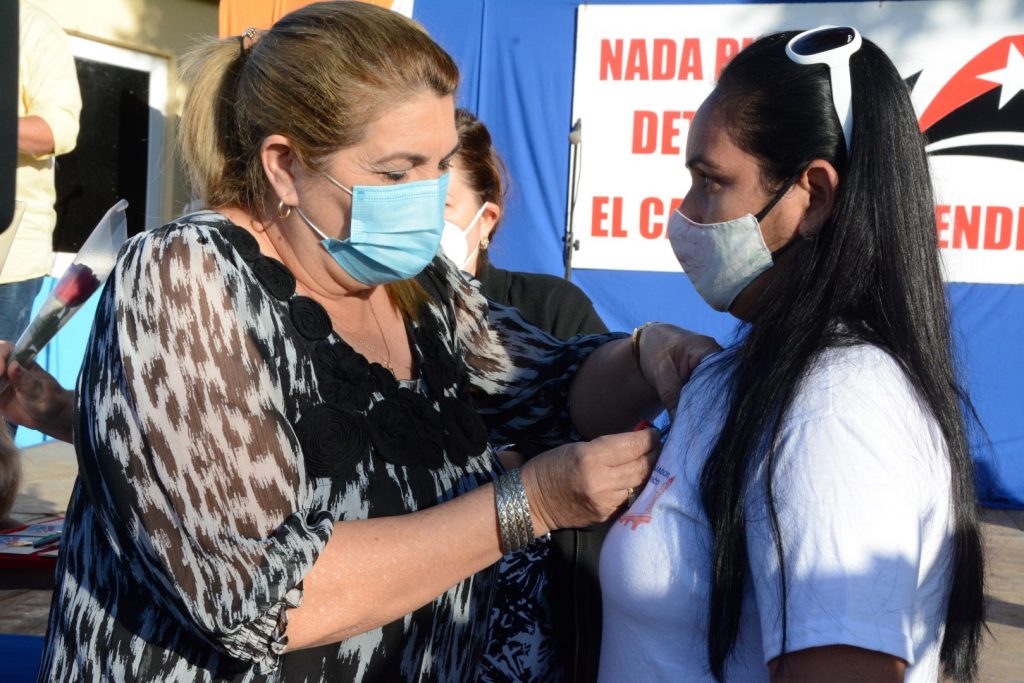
[[569, 242]]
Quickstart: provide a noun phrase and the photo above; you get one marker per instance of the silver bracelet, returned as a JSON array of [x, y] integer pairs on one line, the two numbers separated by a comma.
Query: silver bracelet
[[515, 524]]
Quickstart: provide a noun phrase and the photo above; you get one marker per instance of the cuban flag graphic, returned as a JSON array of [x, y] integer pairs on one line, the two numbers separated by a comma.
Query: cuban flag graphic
[[980, 110]]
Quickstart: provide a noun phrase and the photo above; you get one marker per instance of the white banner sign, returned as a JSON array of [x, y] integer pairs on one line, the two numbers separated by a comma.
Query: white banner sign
[[642, 71]]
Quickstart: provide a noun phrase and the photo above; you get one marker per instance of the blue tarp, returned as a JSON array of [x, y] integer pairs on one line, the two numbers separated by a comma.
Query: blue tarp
[[517, 60]]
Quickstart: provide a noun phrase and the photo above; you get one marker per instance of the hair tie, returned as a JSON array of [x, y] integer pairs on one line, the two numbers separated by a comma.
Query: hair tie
[[249, 33]]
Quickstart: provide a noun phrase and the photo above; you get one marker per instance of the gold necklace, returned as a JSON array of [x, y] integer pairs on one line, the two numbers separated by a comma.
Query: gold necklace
[[387, 349]]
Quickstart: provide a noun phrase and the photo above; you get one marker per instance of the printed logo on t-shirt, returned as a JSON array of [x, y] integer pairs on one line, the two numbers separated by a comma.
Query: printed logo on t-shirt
[[661, 480]]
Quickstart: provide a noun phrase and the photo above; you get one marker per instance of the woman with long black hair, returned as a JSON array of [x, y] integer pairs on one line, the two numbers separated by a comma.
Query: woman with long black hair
[[812, 515]]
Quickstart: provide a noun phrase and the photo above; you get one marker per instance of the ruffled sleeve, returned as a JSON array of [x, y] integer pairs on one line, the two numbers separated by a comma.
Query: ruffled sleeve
[[186, 444], [519, 375]]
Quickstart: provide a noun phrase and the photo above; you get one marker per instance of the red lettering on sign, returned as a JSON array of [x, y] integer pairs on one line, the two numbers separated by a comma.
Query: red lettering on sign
[[998, 227], [664, 62], [1020, 229], [987, 228], [652, 215], [611, 59], [649, 129], [636, 62], [617, 229], [690, 66], [640, 61], [645, 132], [942, 224], [966, 229], [650, 228], [670, 132], [599, 215]]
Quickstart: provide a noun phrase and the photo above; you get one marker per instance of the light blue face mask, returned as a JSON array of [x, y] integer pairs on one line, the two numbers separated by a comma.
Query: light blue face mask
[[395, 230]]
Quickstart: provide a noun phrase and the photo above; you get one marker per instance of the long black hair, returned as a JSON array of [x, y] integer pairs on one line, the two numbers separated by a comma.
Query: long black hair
[[870, 275]]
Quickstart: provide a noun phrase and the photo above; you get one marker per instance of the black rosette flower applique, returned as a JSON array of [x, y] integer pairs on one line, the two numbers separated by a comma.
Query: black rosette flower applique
[[438, 367], [428, 422], [244, 243], [406, 430], [383, 381], [310, 318], [465, 433], [343, 376], [334, 440], [274, 277], [394, 433]]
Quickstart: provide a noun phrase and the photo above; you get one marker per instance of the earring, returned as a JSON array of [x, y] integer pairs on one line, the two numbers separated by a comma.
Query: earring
[[283, 210], [484, 243]]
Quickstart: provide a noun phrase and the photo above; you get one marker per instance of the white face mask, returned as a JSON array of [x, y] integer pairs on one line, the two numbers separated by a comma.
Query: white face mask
[[721, 259], [455, 241]]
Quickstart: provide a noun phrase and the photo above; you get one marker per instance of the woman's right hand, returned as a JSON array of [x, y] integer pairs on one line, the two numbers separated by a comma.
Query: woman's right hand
[[35, 399], [584, 483]]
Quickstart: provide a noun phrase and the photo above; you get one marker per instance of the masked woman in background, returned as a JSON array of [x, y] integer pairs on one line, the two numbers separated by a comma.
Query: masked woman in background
[[284, 411], [565, 606], [477, 190], [812, 514]]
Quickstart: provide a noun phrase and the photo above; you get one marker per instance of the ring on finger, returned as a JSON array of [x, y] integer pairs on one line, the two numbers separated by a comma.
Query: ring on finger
[[630, 496]]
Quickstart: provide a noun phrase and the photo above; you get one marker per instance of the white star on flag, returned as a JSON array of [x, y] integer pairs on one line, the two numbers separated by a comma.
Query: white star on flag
[[1011, 78]]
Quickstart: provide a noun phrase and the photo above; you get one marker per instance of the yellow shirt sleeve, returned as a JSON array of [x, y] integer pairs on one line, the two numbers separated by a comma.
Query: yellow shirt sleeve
[[49, 82]]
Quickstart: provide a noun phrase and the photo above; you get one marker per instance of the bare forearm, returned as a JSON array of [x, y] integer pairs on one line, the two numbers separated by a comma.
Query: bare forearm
[[609, 394], [61, 425], [838, 664], [374, 571], [34, 136], [10, 472]]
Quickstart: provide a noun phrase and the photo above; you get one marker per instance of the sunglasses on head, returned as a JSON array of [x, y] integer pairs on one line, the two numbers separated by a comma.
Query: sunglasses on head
[[832, 46]]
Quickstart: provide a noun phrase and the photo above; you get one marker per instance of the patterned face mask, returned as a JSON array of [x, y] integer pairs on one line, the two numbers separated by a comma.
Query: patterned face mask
[[721, 259]]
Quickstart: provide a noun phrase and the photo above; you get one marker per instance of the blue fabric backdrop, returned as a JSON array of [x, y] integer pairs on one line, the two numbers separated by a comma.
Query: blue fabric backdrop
[[517, 58]]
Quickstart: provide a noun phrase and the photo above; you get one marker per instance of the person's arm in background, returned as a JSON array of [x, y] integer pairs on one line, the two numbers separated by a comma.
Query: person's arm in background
[[612, 390], [34, 136], [530, 386], [50, 94], [35, 399], [10, 473]]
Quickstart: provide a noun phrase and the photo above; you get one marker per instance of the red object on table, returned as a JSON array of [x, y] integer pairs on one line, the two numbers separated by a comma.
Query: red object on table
[[33, 560]]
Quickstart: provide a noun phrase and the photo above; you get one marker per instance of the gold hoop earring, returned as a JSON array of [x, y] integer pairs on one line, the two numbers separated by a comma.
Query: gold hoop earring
[[283, 210]]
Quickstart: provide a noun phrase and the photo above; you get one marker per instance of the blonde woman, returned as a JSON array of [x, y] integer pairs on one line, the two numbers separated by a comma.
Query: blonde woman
[[283, 417]]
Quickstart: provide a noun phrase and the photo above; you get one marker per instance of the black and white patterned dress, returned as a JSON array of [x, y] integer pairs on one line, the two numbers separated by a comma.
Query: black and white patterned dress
[[222, 427]]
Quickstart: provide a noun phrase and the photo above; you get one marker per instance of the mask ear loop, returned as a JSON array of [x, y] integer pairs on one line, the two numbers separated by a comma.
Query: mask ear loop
[[476, 217], [760, 215], [480, 243], [338, 184], [311, 224]]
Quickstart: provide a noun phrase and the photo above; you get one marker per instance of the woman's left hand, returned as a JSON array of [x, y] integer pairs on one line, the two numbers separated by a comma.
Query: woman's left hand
[[668, 355], [35, 399]]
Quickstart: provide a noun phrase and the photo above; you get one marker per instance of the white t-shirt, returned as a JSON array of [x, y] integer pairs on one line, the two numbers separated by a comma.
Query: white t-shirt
[[862, 488]]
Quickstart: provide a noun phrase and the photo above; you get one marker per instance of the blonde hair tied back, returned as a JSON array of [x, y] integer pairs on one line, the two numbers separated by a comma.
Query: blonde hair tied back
[[319, 76]]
